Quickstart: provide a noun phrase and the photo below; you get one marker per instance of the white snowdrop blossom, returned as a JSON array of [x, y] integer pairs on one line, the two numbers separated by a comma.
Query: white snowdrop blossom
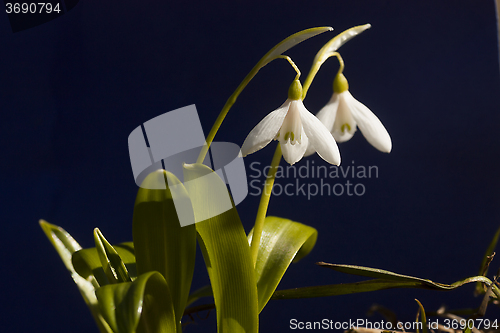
[[343, 113], [296, 129]]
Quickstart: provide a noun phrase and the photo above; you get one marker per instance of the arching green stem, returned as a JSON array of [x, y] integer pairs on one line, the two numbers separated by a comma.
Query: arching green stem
[[229, 103], [297, 70]]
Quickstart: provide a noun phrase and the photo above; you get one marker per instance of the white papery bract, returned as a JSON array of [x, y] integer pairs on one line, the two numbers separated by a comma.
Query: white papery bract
[[296, 129], [343, 113]]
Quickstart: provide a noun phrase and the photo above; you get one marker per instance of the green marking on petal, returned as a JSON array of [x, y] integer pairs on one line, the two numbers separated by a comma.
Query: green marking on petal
[[287, 135], [343, 127], [292, 137]]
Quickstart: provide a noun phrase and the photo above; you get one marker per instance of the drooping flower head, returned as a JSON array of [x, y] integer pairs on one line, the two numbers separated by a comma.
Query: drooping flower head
[[343, 114], [295, 128]]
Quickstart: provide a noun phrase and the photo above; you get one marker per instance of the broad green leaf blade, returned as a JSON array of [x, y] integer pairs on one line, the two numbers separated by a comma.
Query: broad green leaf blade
[[161, 244], [328, 50], [144, 305], [111, 262], [282, 242], [88, 265], [226, 252], [423, 318], [483, 270], [66, 246]]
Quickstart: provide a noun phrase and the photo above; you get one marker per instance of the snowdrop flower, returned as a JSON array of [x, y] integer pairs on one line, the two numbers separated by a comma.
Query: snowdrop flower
[[296, 129], [343, 113]]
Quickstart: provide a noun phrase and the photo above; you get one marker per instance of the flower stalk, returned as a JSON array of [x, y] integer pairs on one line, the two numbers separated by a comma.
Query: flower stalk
[[264, 203]]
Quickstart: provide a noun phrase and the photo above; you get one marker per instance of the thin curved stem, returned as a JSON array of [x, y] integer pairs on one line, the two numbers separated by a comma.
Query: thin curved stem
[[264, 203], [229, 103], [341, 62], [291, 63], [315, 68]]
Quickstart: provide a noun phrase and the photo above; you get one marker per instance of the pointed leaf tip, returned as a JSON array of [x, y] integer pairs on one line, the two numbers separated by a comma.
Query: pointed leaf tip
[[66, 246], [423, 319], [111, 262]]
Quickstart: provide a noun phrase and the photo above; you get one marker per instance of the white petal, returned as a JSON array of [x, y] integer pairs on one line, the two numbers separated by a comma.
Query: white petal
[[319, 137], [265, 131], [293, 153], [327, 116], [309, 151], [291, 129], [371, 127], [328, 113], [344, 126]]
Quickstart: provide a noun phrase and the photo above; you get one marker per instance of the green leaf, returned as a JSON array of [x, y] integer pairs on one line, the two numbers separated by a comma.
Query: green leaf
[[282, 242], [387, 280], [66, 246], [378, 273], [341, 289], [161, 244], [423, 319], [226, 251], [111, 262], [144, 305], [88, 264], [483, 270]]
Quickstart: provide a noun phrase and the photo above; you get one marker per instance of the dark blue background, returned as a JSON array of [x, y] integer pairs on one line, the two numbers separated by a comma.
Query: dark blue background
[[73, 89]]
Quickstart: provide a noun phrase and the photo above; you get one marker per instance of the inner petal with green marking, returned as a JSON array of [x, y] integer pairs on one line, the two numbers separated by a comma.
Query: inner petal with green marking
[[291, 129], [344, 127]]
